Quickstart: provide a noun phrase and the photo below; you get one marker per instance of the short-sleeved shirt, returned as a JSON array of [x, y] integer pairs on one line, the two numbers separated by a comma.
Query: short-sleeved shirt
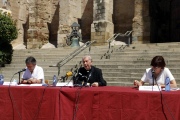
[[38, 73], [160, 78]]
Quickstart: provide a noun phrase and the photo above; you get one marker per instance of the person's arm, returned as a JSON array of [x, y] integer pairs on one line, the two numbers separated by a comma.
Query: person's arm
[[31, 81], [101, 82], [172, 84], [23, 81], [143, 79], [138, 83], [36, 81], [26, 81]]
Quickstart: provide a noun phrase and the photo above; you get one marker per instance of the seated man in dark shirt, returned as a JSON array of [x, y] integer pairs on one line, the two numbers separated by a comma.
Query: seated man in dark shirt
[[89, 74]]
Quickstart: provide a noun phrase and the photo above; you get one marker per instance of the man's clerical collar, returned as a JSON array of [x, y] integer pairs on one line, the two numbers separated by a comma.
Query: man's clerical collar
[[88, 70]]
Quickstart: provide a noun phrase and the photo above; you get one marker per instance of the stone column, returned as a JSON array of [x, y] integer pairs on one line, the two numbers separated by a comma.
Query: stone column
[[141, 22], [102, 27], [69, 12], [39, 15]]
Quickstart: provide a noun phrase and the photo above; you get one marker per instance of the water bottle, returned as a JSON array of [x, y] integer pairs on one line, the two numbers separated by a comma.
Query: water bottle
[[54, 80], [167, 84], [1, 79], [15, 81]]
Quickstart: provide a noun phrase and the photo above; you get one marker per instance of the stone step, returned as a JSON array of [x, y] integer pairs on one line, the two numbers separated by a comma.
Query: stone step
[[125, 70], [120, 58], [144, 53], [101, 66], [122, 69], [98, 66], [96, 61]]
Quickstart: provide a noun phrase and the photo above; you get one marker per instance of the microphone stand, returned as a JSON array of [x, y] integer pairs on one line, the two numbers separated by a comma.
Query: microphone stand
[[19, 73], [153, 76], [19, 77], [63, 79], [74, 79]]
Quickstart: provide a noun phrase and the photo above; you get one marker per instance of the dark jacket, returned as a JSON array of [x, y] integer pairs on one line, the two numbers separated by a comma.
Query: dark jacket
[[91, 76]]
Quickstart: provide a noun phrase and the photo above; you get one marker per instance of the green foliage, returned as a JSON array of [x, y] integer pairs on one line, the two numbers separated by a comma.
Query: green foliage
[[133, 47], [7, 52], [140, 59], [1, 57], [40, 46], [8, 33]]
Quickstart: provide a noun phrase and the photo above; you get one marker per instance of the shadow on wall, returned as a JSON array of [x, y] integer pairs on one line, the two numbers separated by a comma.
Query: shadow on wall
[[86, 21], [26, 27], [124, 39], [53, 27]]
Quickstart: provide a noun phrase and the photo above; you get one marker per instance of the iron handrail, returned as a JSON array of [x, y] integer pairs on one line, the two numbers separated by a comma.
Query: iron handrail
[[127, 34], [73, 52], [77, 53], [72, 55]]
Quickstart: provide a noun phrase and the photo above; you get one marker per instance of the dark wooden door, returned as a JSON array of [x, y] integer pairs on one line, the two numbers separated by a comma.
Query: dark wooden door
[[175, 20], [159, 11]]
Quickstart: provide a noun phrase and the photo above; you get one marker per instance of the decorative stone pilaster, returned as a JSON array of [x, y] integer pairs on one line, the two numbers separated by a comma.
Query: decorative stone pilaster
[[141, 22], [102, 27], [39, 15]]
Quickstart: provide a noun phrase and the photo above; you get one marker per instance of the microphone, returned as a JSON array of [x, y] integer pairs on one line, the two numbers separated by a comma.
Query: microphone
[[153, 71], [67, 75], [74, 73], [21, 71]]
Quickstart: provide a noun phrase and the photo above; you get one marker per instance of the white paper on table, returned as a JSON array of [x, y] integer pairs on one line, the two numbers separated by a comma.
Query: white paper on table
[[11, 83], [36, 85], [65, 84], [23, 85], [149, 88]]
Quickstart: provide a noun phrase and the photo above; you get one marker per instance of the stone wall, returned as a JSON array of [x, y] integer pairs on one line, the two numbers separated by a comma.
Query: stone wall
[[86, 19], [1, 3], [70, 12], [39, 16], [141, 22], [102, 27], [123, 14], [53, 25], [19, 10], [43, 21]]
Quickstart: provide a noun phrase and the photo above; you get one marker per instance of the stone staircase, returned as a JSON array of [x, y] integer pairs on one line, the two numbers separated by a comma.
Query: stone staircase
[[124, 66]]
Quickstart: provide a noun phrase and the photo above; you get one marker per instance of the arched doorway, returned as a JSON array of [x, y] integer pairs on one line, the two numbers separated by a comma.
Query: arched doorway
[[175, 20], [165, 21]]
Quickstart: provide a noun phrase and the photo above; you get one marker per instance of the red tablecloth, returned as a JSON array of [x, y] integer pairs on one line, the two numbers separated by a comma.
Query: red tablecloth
[[95, 103]]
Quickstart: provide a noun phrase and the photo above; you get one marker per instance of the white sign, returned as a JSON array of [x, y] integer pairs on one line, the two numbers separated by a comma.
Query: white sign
[[11, 83], [65, 84], [149, 88]]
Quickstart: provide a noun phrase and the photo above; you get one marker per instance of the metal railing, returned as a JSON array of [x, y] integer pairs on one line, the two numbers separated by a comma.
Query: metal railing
[[73, 54], [111, 39]]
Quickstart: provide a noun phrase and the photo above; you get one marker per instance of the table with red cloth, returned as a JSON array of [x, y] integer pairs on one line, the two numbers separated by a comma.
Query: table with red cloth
[[87, 103]]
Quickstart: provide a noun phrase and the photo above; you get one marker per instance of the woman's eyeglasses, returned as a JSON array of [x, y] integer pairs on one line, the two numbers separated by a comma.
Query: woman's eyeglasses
[[156, 67]]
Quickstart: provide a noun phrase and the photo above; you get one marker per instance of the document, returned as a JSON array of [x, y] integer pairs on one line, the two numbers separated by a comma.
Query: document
[[149, 88]]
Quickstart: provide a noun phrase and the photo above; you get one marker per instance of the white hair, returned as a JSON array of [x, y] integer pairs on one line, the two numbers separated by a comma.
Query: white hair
[[87, 56]]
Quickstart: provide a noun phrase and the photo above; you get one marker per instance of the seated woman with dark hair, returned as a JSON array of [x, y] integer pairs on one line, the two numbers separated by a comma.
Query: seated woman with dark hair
[[161, 73]]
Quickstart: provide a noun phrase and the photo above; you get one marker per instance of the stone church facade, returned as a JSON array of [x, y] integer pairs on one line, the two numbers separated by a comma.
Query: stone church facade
[[49, 21]]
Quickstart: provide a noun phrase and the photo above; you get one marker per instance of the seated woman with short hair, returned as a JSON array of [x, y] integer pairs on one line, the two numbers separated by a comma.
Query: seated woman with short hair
[[161, 73]]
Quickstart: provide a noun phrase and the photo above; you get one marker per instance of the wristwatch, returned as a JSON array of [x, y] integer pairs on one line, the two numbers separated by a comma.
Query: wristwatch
[[27, 82]]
